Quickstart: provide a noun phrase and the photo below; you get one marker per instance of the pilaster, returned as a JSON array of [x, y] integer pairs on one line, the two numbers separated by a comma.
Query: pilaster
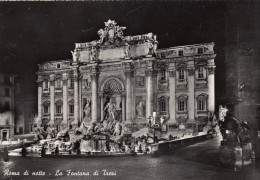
[[172, 107], [149, 91], [52, 107], [129, 75], [191, 101], [101, 107], [65, 100], [94, 101], [39, 81], [76, 99], [211, 85]]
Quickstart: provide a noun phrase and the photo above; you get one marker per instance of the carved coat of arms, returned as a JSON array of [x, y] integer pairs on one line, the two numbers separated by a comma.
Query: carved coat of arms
[[111, 33]]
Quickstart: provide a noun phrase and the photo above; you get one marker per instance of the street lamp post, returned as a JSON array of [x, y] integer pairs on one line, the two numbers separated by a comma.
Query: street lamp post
[[154, 125]]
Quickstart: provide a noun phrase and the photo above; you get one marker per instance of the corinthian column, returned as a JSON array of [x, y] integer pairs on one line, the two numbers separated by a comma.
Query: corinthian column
[[149, 92], [65, 100], [52, 107], [76, 100], [39, 101], [94, 103], [172, 103], [102, 107], [123, 108], [129, 75], [211, 88]]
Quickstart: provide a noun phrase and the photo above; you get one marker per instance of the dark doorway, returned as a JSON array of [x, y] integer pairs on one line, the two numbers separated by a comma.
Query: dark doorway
[[20, 130], [4, 135]]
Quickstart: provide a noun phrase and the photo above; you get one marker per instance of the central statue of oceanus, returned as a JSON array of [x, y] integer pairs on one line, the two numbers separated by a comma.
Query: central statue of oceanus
[[111, 33]]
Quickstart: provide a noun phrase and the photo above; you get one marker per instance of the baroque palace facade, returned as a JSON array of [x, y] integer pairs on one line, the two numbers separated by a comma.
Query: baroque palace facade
[[132, 74]]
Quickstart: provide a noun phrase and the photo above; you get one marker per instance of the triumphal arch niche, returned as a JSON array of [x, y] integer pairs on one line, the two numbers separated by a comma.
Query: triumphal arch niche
[[111, 65], [126, 78]]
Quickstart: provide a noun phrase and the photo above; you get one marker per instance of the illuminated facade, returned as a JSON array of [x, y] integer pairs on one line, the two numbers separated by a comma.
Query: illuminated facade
[[129, 71]]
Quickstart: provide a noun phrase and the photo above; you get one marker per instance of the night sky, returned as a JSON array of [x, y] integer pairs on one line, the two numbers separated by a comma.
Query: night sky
[[35, 32]]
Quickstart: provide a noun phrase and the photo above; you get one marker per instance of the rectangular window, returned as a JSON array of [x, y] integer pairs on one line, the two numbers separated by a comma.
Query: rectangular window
[[201, 105], [58, 83], [163, 106], [45, 85], [182, 105], [163, 75], [45, 109], [7, 92], [180, 53], [181, 75], [71, 83], [71, 109], [201, 73], [200, 50], [58, 109], [58, 66]]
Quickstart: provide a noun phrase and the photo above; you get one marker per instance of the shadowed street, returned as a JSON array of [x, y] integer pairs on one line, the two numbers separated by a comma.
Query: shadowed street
[[198, 161]]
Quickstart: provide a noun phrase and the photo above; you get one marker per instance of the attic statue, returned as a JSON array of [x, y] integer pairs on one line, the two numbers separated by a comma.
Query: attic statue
[[75, 55]]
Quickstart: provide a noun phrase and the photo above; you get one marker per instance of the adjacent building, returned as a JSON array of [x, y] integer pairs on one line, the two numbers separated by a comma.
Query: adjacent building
[[25, 105], [242, 65], [132, 74], [6, 106]]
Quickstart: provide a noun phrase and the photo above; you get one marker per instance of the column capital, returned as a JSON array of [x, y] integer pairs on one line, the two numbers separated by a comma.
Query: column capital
[[39, 79], [39, 83], [191, 72], [65, 76], [129, 73], [172, 73], [75, 76], [52, 77], [211, 70], [93, 76], [150, 72]]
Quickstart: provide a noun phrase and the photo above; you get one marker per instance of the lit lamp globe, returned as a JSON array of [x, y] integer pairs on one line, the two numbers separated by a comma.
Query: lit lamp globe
[[154, 116]]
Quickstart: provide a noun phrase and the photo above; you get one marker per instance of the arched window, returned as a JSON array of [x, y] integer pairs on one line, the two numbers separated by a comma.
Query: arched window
[[181, 75], [112, 86], [202, 102], [182, 103], [163, 75], [164, 104], [58, 107], [58, 83], [71, 84], [200, 73], [71, 106], [46, 107], [45, 85]]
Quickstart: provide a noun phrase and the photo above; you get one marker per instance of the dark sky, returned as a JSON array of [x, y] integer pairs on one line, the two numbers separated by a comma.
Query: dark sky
[[34, 32]]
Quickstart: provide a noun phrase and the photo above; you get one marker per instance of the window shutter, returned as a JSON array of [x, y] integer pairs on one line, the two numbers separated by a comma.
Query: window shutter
[[177, 75]]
